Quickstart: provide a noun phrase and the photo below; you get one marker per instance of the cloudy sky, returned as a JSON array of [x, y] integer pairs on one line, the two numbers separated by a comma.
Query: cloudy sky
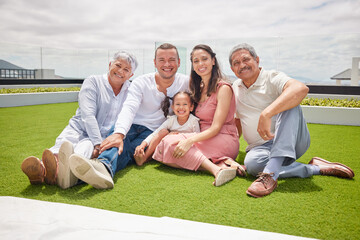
[[329, 28], [139, 23]]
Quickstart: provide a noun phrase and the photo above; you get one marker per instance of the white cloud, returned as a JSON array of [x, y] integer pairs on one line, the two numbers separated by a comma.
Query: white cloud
[[138, 24]]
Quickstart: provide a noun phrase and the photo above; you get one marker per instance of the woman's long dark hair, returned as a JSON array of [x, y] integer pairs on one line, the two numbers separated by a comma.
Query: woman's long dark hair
[[195, 79]]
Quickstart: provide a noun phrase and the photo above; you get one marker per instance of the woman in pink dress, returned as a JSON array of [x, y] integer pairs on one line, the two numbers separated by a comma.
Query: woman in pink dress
[[217, 144]]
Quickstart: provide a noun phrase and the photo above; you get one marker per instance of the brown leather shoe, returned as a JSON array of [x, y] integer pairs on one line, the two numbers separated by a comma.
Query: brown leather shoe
[[51, 166], [34, 170], [332, 168], [262, 186]]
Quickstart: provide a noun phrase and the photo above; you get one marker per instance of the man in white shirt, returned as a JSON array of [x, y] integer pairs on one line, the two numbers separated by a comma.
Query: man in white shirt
[[101, 98], [139, 117], [269, 116]]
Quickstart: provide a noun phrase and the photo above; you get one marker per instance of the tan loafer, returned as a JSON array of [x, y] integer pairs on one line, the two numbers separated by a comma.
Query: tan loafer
[[51, 166], [332, 168], [34, 170]]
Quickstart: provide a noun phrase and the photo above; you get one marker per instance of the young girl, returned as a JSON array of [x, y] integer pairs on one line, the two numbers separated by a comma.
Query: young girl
[[183, 121]]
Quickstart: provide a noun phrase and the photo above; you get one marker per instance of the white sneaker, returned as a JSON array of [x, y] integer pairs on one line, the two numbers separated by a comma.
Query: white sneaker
[[65, 178], [91, 171]]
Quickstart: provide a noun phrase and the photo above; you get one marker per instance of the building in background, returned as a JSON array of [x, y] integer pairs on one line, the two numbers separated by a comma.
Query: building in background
[[9, 70], [352, 74], [12, 71]]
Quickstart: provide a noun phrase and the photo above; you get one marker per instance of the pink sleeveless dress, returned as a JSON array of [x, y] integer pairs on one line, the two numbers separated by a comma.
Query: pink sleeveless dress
[[218, 148]]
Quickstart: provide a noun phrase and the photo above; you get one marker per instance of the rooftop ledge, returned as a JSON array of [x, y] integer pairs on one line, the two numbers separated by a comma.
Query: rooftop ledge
[[313, 114], [26, 99]]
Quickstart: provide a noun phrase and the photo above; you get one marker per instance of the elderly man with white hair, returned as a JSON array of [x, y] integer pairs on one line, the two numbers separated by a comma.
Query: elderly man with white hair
[[101, 98], [269, 115]]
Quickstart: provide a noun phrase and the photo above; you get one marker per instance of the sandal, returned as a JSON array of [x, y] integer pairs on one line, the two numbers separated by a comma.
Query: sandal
[[239, 168], [224, 175]]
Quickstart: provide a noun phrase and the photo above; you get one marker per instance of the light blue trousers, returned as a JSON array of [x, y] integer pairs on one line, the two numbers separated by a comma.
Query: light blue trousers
[[292, 139]]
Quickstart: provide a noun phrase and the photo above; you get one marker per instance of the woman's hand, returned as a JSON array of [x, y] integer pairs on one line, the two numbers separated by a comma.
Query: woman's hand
[[182, 148]]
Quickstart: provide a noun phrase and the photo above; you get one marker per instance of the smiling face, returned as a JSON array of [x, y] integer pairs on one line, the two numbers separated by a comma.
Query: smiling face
[[119, 72], [245, 66], [182, 105], [202, 63], [167, 62]]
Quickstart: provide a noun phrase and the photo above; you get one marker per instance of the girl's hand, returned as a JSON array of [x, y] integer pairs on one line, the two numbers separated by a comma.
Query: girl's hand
[[96, 151], [139, 150], [182, 148]]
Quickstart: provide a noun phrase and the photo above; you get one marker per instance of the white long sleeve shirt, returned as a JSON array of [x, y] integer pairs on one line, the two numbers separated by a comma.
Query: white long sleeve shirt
[[143, 103], [98, 108]]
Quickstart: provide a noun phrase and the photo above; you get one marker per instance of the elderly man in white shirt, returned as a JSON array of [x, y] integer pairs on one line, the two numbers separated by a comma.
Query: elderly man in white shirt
[[269, 116], [101, 98], [140, 116]]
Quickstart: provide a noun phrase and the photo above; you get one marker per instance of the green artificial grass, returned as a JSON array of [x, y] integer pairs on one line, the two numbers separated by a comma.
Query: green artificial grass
[[327, 102], [318, 207]]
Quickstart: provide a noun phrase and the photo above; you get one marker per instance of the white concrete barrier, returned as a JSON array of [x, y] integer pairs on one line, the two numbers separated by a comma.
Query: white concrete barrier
[[25, 99], [332, 115]]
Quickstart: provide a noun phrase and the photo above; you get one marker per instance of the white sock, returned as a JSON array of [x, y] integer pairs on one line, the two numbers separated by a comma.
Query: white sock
[[274, 165]]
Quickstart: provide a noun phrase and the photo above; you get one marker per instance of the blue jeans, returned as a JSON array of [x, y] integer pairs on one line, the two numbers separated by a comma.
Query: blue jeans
[[115, 162]]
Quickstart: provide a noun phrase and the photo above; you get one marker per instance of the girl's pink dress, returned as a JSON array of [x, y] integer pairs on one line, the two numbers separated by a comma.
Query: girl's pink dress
[[218, 148]]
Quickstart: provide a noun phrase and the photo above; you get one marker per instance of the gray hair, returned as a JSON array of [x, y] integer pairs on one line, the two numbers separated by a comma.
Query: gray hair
[[244, 46], [130, 58]]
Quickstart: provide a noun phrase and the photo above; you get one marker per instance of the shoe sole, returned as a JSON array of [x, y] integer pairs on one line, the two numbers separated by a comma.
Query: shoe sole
[[34, 170], [65, 178], [224, 176], [334, 163], [83, 170], [253, 195], [51, 166]]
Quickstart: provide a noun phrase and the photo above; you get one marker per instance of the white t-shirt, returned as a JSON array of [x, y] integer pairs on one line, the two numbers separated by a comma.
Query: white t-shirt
[[171, 124], [250, 102], [143, 103]]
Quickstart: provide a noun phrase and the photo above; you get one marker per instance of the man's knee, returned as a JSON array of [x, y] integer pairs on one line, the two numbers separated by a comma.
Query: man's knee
[[255, 163]]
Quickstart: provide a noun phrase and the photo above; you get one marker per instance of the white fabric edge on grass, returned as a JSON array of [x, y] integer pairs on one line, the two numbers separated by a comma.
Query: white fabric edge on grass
[[33, 219]]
